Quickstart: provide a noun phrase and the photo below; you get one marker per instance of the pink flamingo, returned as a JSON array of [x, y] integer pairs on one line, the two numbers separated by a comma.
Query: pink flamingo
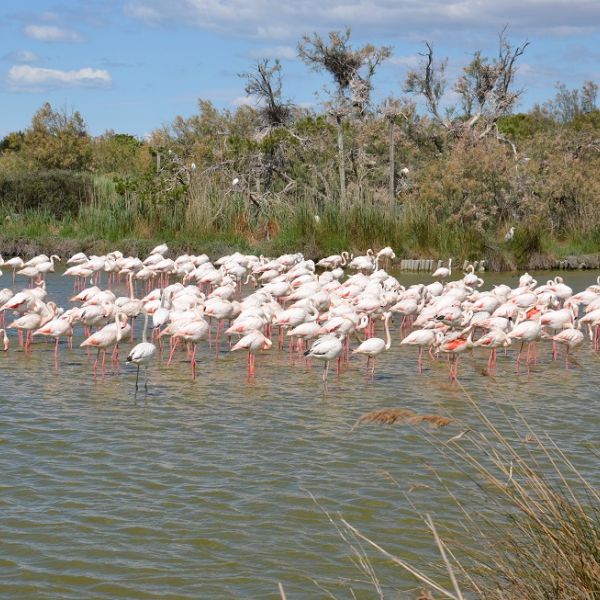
[[455, 347], [57, 328], [253, 342], [527, 332], [193, 331], [423, 338], [571, 338], [5, 340], [105, 337], [494, 339]]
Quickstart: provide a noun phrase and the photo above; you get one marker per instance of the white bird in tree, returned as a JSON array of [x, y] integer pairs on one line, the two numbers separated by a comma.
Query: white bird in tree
[[142, 354], [510, 234]]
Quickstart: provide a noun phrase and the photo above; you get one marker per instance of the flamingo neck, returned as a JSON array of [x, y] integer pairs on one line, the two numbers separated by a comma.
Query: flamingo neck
[[388, 337], [144, 338]]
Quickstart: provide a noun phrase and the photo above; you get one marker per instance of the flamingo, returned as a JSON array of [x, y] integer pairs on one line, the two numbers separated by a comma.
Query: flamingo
[[142, 354], [194, 331], [57, 328], [326, 349], [443, 272], [373, 347], [571, 338], [494, 339], [5, 341], [527, 332], [455, 347], [160, 249], [253, 342], [105, 337], [305, 331], [14, 263], [423, 338], [47, 266], [41, 314]]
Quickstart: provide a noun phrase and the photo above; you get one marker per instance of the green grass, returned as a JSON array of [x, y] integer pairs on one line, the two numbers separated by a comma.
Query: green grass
[[210, 221]]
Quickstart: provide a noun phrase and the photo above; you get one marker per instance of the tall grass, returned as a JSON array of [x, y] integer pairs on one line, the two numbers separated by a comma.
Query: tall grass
[[207, 217], [530, 525]]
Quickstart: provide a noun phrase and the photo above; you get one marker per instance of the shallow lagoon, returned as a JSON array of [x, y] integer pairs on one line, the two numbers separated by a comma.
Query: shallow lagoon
[[203, 489]]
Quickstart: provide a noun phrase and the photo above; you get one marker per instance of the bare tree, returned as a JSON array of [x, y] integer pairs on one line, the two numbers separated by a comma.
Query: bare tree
[[352, 71], [391, 109], [568, 104], [264, 83], [429, 81], [486, 89]]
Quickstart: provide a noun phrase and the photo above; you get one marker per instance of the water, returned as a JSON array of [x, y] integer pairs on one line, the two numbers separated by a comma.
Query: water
[[204, 489]]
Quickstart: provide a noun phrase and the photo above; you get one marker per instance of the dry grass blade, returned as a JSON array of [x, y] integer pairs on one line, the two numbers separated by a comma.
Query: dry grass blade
[[442, 550], [281, 591], [401, 416], [420, 576]]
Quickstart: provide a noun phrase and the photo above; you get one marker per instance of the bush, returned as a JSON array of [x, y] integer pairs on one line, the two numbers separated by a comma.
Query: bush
[[57, 193]]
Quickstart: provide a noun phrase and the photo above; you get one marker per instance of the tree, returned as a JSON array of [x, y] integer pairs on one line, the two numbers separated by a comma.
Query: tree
[[486, 90], [391, 109], [57, 139], [568, 104], [352, 71], [119, 153], [264, 84]]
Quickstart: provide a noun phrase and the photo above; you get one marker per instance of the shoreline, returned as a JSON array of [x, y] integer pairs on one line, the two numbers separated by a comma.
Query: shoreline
[[28, 247]]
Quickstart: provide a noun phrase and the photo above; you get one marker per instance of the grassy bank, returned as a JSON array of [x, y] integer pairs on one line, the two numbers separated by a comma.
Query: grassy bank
[[209, 220]]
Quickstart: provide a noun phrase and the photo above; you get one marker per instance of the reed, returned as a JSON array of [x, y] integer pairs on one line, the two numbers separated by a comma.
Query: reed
[[531, 520]]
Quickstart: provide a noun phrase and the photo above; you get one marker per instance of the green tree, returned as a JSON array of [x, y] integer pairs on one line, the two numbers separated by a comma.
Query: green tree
[[57, 139]]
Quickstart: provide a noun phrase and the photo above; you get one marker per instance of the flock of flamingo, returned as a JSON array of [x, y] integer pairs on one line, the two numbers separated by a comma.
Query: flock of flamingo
[[320, 308]]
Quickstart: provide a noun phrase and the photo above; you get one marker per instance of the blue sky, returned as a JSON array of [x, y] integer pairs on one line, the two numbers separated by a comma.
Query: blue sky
[[133, 65]]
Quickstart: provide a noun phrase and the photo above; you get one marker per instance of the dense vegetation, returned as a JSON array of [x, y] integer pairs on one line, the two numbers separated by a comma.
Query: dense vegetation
[[429, 179]]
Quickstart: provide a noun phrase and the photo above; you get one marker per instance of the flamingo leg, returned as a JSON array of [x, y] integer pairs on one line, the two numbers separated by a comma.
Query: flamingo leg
[[96, 361], [519, 357], [193, 361], [173, 348]]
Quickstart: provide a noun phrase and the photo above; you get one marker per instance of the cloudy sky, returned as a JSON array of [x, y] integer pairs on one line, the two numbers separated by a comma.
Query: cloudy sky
[[132, 65]]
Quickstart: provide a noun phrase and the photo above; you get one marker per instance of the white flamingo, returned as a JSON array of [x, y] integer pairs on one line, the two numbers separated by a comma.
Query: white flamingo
[[373, 347], [142, 354]]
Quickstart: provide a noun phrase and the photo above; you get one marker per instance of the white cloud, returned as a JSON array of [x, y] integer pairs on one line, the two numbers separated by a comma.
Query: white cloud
[[51, 33], [410, 61], [22, 56], [281, 52], [244, 101], [273, 19], [24, 78]]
